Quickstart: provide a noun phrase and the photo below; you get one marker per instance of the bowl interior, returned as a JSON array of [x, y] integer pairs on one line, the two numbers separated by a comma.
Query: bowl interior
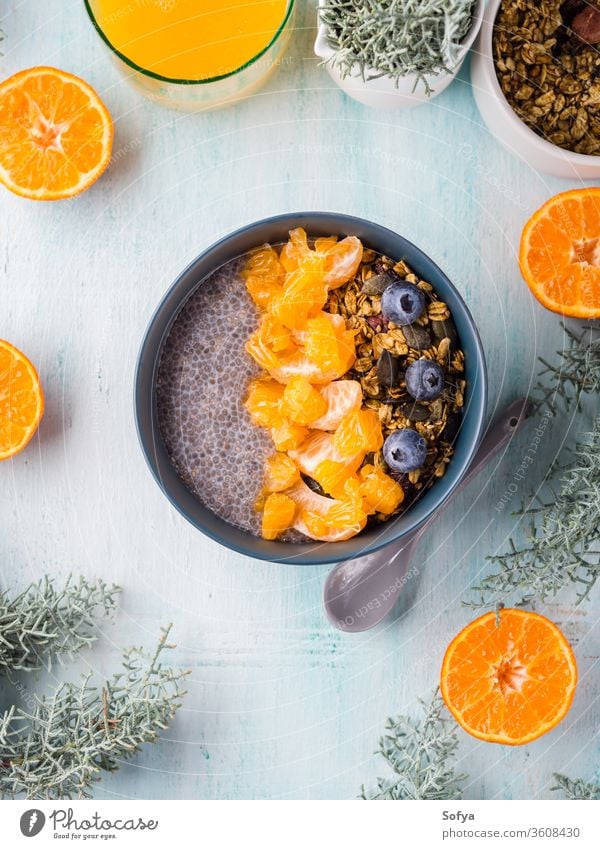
[[276, 230]]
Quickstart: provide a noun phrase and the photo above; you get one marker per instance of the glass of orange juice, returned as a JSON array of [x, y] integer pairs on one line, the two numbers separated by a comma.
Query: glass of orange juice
[[194, 54]]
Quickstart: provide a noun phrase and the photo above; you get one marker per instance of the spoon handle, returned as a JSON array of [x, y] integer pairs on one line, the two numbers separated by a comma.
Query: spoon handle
[[498, 434]]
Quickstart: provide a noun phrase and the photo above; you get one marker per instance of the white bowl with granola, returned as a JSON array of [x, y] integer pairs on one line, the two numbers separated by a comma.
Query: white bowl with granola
[[557, 107]]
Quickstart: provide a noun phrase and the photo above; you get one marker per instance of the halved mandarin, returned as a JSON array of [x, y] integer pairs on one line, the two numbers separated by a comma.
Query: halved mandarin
[[509, 677], [21, 400], [55, 134], [560, 253]]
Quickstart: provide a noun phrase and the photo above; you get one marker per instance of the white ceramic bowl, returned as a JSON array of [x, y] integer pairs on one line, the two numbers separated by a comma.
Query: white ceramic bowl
[[383, 92], [510, 131]]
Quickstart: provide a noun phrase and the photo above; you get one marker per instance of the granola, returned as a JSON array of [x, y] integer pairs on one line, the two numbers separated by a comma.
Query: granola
[[548, 66], [382, 347]]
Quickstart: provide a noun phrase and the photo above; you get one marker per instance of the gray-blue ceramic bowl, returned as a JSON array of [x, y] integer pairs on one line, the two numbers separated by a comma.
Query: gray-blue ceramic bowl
[[276, 230]]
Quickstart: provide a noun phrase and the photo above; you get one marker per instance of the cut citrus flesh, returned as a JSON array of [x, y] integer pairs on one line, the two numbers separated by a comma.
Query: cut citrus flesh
[[509, 677], [326, 519], [301, 402], [359, 430], [318, 458], [560, 253], [263, 402], [55, 134], [21, 400], [280, 472], [278, 515], [341, 397], [314, 419], [342, 260], [380, 492]]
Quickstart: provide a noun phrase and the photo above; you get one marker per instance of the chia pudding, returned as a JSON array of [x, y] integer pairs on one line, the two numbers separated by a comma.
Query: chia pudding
[[200, 399]]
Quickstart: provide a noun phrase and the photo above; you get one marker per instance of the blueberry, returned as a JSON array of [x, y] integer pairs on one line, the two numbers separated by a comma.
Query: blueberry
[[424, 380], [402, 303], [404, 450]]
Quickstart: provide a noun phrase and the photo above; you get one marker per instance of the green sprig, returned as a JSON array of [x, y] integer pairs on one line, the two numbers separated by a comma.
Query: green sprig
[[562, 545], [396, 37], [44, 622], [576, 788], [421, 754], [576, 373], [62, 746]]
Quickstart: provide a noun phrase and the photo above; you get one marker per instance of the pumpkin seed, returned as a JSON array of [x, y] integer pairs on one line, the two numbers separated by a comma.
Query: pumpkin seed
[[377, 284], [417, 337], [414, 411], [389, 370]]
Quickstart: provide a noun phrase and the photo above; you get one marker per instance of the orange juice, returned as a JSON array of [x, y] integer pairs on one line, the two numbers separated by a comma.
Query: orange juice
[[189, 39]]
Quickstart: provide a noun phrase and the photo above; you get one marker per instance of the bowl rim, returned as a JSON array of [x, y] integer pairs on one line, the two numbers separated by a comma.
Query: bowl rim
[[313, 553], [486, 54], [188, 82]]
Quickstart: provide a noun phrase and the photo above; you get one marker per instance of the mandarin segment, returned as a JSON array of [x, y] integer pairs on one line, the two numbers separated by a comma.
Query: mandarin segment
[[304, 294], [301, 402], [263, 402], [287, 436], [264, 275], [509, 677], [381, 493], [278, 515], [341, 397], [360, 430], [342, 260], [280, 472]]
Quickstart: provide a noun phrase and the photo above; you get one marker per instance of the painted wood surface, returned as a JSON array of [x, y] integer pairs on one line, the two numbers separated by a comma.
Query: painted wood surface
[[280, 705]]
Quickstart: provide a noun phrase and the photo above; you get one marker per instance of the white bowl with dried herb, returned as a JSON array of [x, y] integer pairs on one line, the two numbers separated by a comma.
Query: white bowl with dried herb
[[395, 53], [536, 80]]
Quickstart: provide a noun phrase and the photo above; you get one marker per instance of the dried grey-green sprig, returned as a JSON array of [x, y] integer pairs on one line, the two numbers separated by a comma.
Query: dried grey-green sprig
[[421, 754], [396, 37], [63, 745], [43, 621], [563, 544], [576, 373], [576, 788]]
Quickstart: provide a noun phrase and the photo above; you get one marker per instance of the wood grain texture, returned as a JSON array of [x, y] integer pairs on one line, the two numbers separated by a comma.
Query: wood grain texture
[[280, 705]]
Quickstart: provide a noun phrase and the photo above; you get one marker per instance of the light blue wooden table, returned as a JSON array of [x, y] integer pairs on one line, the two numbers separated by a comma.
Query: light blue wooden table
[[280, 705]]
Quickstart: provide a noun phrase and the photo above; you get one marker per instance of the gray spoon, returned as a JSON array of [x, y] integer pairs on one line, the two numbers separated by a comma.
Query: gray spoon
[[359, 593]]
